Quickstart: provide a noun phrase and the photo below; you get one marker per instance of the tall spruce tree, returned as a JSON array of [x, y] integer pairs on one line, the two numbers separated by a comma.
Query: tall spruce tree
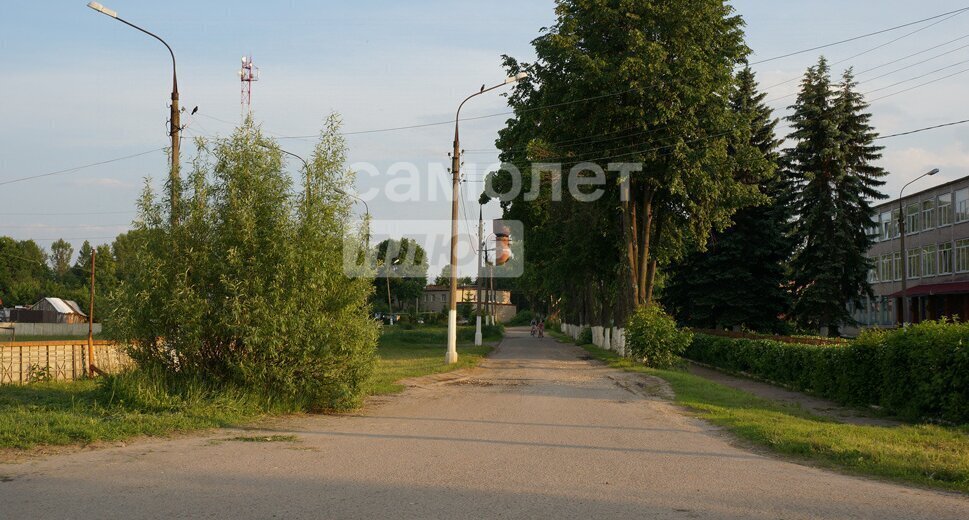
[[831, 172], [740, 280]]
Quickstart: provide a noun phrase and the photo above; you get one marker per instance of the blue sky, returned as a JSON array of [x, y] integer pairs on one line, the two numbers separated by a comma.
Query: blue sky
[[79, 87]]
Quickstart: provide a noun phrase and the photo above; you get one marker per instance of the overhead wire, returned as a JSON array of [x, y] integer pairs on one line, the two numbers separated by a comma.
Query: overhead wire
[[856, 38], [79, 168]]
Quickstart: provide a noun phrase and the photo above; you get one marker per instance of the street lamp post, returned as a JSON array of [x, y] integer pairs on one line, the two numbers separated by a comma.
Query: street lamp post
[[901, 229], [175, 127], [452, 317]]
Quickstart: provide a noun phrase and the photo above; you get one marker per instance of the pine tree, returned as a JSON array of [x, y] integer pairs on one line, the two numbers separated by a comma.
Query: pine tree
[[833, 179], [740, 280]]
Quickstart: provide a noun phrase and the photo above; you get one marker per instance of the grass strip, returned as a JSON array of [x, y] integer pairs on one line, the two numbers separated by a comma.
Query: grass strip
[[923, 454], [84, 411]]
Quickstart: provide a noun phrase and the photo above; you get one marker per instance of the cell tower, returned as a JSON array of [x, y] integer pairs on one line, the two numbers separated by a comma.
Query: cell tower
[[248, 73]]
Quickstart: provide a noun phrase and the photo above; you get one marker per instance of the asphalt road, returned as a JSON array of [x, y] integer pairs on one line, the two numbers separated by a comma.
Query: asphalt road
[[538, 431]]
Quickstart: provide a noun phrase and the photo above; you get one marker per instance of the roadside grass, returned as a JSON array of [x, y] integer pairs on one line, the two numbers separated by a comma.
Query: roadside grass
[[138, 403], [924, 454], [404, 354]]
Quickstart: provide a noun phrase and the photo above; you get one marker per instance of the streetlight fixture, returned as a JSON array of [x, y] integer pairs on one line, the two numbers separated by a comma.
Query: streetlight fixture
[[174, 119], [452, 318], [901, 229]]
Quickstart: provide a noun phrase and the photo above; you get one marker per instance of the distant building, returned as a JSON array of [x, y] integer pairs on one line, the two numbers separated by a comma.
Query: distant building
[[937, 258], [49, 310], [436, 298]]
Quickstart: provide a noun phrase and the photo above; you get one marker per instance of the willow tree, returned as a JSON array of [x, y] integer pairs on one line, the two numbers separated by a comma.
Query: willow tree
[[646, 83], [249, 287]]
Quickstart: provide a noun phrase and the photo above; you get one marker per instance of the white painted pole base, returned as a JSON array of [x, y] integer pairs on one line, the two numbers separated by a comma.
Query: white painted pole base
[[477, 332], [452, 338]]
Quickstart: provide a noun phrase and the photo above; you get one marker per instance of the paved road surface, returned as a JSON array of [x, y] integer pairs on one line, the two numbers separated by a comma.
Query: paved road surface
[[537, 432]]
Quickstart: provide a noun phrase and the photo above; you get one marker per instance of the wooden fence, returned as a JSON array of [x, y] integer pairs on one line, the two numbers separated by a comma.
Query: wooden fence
[[24, 361]]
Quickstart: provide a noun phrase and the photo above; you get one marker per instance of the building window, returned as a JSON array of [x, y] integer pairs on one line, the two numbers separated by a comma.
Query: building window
[[912, 219], [945, 258], [896, 215], [962, 205], [944, 209], [889, 307], [928, 214], [929, 259], [913, 262], [886, 273], [897, 265], [962, 256], [885, 219]]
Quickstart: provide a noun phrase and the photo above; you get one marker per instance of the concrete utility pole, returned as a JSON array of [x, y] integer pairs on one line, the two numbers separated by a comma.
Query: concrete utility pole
[[175, 127], [901, 229], [452, 317], [478, 339]]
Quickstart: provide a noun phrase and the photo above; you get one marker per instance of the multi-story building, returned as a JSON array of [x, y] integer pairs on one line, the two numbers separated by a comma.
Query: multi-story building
[[936, 257]]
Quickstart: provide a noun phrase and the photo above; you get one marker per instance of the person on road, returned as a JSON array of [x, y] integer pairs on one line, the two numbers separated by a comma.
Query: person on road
[[541, 329], [534, 326]]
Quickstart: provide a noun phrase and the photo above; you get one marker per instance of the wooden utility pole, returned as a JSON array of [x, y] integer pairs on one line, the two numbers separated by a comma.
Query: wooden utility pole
[[90, 321]]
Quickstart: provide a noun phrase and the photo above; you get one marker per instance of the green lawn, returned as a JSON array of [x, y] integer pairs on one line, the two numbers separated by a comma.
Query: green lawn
[[929, 455], [413, 353], [82, 412]]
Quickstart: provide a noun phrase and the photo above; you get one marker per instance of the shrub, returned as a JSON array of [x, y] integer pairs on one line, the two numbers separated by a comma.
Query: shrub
[[919, 372], [585, 337], [524, 317], [653, 337], [247, 289]]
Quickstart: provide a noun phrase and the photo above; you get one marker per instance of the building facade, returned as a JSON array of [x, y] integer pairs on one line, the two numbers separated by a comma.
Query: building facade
[[436, 298], [936, 257]]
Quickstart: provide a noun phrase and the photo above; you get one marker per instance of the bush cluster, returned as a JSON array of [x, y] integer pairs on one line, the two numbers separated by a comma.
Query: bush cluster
[[653, 337], [920, 372], [524, 317], [246, 288], [585, 337]]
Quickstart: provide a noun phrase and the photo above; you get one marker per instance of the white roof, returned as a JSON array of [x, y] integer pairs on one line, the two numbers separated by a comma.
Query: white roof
[[64, 306]]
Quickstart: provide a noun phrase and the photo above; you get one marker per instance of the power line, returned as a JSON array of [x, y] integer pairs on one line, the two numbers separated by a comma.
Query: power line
[[863, 36], [873, 49], [918, 63], [947, 67], [919, 86], [68, 214], [911, 55], [926, 129], [78, 168]]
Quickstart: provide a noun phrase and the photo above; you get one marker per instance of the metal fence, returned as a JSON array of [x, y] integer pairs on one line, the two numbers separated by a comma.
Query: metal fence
[[22, 362]]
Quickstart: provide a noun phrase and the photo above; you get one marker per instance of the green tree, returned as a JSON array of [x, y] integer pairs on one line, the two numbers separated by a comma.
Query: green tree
[[401, 269], [23, 272], [668, 68], [60, 256], [445, 278], [741, 279], [833, 180], [248, 288]]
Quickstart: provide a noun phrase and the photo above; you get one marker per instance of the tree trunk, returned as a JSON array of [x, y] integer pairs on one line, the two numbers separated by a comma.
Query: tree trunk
[[651, 275], [631, 235], [644, 253]]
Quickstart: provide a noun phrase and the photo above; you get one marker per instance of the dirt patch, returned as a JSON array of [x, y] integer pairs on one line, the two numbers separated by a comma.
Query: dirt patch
[[643, 385], [264, 438], [815, 405]]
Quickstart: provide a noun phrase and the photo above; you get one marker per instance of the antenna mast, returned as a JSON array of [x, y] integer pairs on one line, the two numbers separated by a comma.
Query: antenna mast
[[248, 73]]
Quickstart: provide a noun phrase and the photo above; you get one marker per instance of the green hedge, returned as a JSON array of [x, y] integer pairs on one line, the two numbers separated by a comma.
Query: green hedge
[[921, 372]]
